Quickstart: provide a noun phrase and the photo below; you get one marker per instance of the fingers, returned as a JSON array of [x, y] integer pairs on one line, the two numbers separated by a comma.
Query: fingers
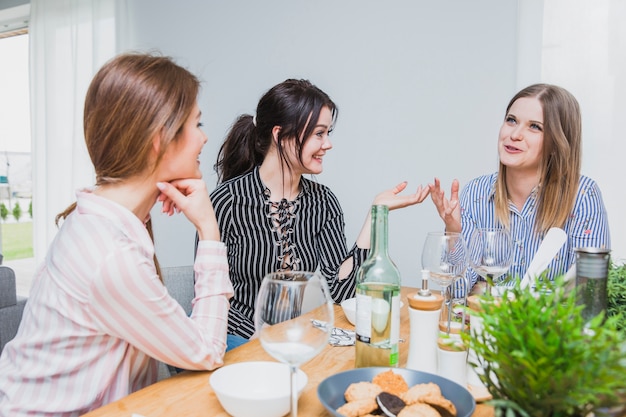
[[182, 196], [454, 190], [436, 194], [422, 193], [400, 187], [392, 198], [168, 206], [169, 195]]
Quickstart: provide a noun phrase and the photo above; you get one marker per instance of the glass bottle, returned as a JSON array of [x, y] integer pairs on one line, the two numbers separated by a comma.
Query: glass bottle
[[592, 270], [378, 300]]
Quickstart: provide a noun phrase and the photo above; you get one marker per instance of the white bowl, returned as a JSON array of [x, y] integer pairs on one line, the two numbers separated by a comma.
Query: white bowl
[[349, 309], [255, 389]]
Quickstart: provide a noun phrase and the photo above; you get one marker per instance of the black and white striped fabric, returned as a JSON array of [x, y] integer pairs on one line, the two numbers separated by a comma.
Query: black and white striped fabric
[[306, 234]]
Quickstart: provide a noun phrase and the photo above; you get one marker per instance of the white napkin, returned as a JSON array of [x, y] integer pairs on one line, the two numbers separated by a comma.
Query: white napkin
[[338, 336], [550, 245], [342, 337]]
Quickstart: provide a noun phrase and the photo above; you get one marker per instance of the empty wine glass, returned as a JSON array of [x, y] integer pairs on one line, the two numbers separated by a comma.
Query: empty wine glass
[[490, 254], [294, 317], [444, 256]]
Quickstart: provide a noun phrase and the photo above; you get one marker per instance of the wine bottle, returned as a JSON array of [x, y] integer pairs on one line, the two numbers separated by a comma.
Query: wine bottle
[[378, 300]]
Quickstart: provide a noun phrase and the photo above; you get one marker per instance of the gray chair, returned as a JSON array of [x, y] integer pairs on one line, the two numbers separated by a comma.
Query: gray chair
[[11, 306], [179, 282]]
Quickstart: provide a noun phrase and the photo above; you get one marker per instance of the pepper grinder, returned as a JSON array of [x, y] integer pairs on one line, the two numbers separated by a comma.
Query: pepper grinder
[[424, 311]]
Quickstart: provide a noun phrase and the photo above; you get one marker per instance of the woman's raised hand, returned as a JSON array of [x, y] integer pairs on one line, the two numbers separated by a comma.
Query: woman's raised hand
[[190, 196], [391, 199], [449, 210]]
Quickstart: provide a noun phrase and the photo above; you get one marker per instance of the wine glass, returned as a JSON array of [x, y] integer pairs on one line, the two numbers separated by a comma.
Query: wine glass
[[293, 318], [444, 256], [490, 254]]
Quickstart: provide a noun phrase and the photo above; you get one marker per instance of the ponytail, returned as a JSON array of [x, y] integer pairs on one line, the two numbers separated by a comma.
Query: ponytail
[[241, 150]]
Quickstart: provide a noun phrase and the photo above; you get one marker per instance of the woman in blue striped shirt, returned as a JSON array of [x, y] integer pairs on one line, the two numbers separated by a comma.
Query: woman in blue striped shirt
[[271, 217], [538, 184]]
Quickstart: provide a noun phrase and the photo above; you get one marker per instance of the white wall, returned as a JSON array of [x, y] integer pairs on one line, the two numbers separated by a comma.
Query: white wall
[[585, 52], [421, 87]]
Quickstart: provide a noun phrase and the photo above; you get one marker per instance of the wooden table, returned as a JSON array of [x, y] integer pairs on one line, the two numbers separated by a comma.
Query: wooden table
[[189, 393]]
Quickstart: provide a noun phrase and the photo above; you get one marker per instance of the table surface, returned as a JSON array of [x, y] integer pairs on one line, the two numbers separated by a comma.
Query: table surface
[[189, 393]]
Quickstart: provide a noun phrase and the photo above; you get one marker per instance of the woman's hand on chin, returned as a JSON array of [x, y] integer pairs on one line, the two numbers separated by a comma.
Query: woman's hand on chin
[[190, 196]]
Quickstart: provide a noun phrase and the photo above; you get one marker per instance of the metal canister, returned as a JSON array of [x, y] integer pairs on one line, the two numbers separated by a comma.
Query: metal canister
[[592, 269]]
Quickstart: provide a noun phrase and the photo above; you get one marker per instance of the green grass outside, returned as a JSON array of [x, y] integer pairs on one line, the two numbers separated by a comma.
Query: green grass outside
[[17, 240]]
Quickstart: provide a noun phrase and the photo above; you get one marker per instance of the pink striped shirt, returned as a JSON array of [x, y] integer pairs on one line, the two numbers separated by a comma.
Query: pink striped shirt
[[98, 317]]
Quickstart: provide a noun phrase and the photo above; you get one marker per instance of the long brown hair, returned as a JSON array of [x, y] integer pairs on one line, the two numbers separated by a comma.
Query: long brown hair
[[560, 162], [130, 99]]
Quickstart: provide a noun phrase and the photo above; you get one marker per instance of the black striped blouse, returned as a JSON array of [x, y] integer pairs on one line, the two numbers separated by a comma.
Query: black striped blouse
[[261, 236]]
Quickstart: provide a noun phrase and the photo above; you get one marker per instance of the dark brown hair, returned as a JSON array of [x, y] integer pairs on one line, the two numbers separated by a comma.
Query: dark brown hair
[[290, 105]]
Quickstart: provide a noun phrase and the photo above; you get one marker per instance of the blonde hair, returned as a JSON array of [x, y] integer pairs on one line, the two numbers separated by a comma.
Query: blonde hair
[[560, 162]]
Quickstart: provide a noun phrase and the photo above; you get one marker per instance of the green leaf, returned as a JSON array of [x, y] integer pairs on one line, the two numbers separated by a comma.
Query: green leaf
[[540, 358]]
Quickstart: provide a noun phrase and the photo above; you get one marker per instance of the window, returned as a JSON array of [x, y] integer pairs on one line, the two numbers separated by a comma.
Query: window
[[16, 238]]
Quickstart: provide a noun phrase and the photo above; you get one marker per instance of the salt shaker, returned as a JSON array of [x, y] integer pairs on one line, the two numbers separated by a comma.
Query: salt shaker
[[424, 311], [452, 360]]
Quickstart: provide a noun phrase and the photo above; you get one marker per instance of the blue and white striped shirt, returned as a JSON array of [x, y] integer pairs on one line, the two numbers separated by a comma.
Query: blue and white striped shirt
[[587, 225]]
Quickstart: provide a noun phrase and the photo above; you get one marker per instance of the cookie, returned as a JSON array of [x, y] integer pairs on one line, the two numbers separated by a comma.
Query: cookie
[[358, 408], [389, 404], [419, 391], [362, 391], [441, 404], [391, 382], [418, 410]]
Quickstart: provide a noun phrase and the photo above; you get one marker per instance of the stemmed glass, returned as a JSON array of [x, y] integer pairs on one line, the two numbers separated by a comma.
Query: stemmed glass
[[444, 256], [294, 317], [491, 254]]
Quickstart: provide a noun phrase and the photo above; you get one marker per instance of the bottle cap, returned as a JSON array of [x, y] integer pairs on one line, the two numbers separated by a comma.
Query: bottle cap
[[432, 302], [474, 303], [455, 327], [451, 345]]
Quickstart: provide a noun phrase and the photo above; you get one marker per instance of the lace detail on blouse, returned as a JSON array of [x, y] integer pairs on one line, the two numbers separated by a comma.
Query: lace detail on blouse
[[282, 215]]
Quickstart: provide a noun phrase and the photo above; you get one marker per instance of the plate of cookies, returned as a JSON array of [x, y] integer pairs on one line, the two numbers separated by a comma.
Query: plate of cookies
[[394, 392]]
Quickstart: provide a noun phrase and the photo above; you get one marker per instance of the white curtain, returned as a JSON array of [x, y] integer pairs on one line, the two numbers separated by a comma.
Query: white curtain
[[69, 41]]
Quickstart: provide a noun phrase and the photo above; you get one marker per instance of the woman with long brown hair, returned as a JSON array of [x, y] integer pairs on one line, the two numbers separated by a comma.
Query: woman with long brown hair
[[538, 184], [99, 318]]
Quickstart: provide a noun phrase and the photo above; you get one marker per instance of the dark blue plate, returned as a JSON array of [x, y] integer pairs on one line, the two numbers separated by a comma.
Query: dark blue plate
[[331, 390]]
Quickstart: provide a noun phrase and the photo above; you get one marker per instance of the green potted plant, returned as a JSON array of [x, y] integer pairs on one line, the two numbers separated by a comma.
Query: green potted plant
[[616, 293], [538, 357]]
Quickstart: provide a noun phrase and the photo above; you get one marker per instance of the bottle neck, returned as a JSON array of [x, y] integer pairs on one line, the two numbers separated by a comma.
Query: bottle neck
[[378, 240]]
